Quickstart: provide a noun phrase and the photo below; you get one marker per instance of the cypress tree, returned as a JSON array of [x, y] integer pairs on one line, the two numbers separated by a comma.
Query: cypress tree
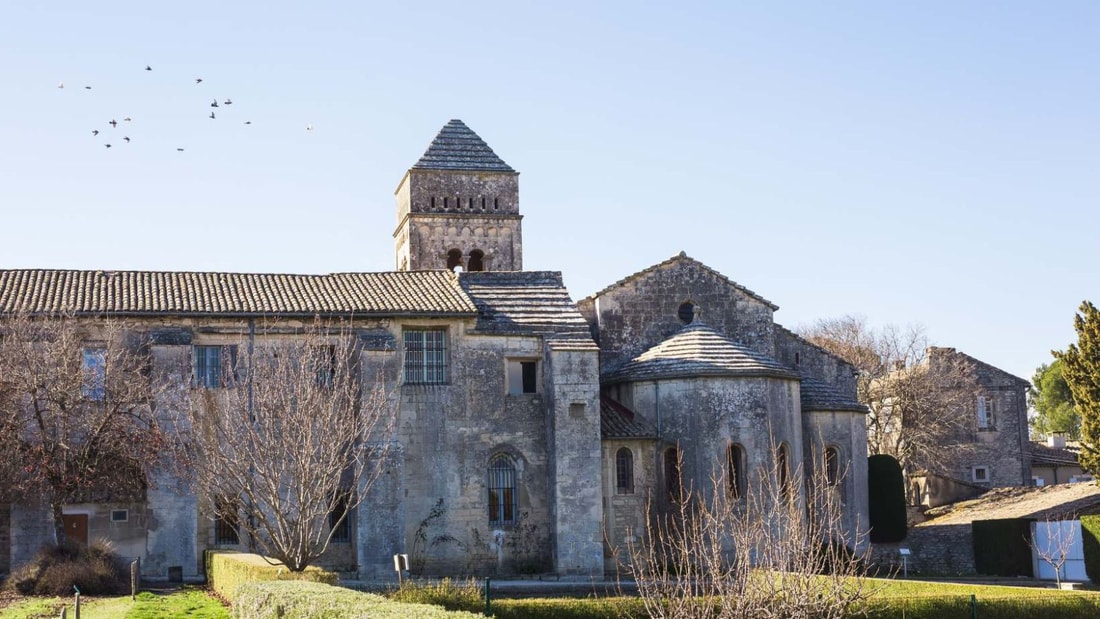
[[1081, 369], [886, 499]]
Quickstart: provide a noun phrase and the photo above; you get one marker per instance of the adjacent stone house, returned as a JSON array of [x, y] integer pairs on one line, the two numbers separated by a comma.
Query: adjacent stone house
[[531, 430], [993, 450]]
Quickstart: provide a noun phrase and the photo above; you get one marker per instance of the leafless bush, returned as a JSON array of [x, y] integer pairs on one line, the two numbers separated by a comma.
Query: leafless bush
[[772, 552], [289, 447]]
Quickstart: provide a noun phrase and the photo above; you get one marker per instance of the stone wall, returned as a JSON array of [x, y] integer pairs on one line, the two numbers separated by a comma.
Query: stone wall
[[847, 433], [935, 550], [793, 351], [644, 309], [625, 513]]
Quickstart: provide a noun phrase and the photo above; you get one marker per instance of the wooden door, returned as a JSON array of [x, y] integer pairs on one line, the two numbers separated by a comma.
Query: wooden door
[[76, 527]]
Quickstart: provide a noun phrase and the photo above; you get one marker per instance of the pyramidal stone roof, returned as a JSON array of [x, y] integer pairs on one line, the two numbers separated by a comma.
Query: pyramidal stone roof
[[456, 147], [523, 302], [698, 350]]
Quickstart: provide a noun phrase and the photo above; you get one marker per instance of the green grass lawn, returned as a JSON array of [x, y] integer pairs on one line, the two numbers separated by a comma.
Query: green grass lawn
[[187, 602]]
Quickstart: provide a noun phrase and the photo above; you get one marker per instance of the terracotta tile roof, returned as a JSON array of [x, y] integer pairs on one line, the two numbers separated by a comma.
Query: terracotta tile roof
[[698, 350], [618, 421], [456, 147], [820, 396], [523, 302], [174, 292], [683, 257], [1046, 455]]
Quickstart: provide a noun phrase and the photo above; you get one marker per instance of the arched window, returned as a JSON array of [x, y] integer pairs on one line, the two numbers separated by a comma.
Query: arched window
[[477, 261], [454, 259], [502, 490], [673, 482], [686, 313], [783, 470], [735, 471], [832, 466], [624, 471]]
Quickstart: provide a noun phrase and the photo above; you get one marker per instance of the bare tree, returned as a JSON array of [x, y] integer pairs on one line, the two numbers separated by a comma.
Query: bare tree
[[769, 551], [76, 420], [1055, 548], [289, 448], [920, 405]]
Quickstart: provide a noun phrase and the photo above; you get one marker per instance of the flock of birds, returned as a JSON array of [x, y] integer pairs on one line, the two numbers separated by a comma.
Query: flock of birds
[[126, 120]]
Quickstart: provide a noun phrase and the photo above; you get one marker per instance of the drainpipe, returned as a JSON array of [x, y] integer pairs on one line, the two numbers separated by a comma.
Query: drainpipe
[[657, 405]]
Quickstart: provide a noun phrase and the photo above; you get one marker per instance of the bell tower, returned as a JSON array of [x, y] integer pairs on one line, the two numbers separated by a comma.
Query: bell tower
[[458, 207]]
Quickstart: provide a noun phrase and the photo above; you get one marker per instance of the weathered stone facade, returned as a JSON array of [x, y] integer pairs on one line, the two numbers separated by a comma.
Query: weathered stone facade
[[996, 449], [546, 431]]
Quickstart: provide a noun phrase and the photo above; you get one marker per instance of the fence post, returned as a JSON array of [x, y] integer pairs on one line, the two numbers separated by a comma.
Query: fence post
[[133, 579], [973, 606], [488, 599]]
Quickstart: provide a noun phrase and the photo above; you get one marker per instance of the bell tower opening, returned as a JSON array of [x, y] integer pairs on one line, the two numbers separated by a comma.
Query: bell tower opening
[[438, 215]]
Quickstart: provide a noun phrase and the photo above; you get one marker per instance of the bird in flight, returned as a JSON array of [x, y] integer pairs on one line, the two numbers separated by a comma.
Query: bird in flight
[[127, 119], [87, 88], [148, 68], [212, 115], [229, 102], [248, 122], [95, 131], [113, 123], [309, 127], [179, 149], [61, 84], [125, 139], [107, 145], [198, 80], [214, 104]]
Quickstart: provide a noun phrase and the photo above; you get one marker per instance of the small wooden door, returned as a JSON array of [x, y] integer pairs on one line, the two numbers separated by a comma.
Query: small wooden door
[[76, 527]]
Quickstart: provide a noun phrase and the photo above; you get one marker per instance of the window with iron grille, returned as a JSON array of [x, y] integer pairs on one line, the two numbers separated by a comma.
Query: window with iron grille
[[502, 491], [673, 480], [624, 471], [339, 520], [214, 367], [783, 466], [226, 521], [425, 356]]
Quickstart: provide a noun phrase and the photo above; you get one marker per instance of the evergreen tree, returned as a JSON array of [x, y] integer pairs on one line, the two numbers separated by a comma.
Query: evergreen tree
[[1081, 369], [1051, 398]]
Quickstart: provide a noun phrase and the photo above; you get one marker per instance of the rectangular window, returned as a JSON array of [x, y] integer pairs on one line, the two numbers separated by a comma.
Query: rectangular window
[[425, 356], [226, 522], [215, 367], [985, 413], [522, 377], [120, 515], [94, 372], [324, 362], [339, 520], [981, 474]]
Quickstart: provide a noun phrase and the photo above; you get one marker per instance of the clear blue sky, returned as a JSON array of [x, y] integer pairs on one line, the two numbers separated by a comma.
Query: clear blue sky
[[931, 163]]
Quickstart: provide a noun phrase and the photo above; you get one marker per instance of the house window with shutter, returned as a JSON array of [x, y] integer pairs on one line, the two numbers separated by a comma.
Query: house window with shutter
[[985, 413]]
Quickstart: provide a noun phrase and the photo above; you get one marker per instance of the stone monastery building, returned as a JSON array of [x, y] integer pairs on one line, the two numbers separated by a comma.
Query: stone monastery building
[[532, 429]]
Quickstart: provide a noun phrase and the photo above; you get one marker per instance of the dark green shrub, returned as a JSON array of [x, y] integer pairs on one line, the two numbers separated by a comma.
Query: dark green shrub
[[1090, 534], [1002, 547], [886, 499], [95, 569]]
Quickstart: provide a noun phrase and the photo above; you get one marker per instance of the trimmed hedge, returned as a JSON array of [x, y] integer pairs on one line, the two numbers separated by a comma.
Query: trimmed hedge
[[226, 570], [1090, 540], [309, 600], [1002, 547], [886, 499]]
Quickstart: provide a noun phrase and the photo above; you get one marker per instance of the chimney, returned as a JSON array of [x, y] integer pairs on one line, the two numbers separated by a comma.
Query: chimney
[[1057, 440]]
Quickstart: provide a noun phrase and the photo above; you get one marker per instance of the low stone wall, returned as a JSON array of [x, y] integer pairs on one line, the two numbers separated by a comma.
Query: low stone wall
[[941, 550]]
